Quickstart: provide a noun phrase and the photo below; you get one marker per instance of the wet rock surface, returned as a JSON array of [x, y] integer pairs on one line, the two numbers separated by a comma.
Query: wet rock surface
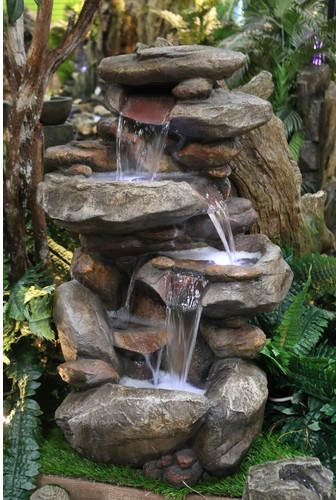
[[85, 205], [237, 393], [85, 373], [224, 114], [82, 324], [295, 479], [170, 64], [132, 426], [244, 342], [143, 340]]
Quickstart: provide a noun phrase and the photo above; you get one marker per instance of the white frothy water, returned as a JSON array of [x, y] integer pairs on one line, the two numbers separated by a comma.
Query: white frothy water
[[139, 148], [219, 216], [165, 381], [210, 254]]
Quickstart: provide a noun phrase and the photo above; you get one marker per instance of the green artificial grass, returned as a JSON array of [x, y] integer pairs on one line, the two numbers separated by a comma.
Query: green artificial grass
[[57, 457]]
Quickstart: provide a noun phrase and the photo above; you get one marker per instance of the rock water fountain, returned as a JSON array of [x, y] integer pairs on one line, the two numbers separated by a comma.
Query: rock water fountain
[[153, 326]]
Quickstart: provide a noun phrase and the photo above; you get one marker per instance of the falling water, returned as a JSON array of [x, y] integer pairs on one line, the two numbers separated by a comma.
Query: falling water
[[183, 315], [139, 148]]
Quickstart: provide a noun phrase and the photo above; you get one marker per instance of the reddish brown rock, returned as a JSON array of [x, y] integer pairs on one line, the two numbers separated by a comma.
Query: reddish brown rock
[[244, 342], [103, 279], [206, 156], [84, 373], [185, 458], [98, 155], [79, 169], [135, 366], [219, 173], [179, 477], [146, 307], [193, 88], [142, 340]]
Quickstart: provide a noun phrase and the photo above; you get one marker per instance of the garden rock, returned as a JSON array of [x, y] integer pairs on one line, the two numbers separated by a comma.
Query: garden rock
[[237, 393], [295, 479], [170, 64], [193, 88], [131, 426], [260, 85], [223, 114], [90, 205], [206, 156], [50, 492], [143, 340], [85, 373], [244, 342], [82, 324]]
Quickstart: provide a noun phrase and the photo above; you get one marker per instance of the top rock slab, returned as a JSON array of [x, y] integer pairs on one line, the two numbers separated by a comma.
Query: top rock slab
[[170, 64]]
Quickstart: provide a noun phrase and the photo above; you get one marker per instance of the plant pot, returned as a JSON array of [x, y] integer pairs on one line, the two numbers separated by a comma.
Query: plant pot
[[56, 111]]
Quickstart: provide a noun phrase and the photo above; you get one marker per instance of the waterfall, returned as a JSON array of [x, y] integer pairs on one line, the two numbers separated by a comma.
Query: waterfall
[[139, 148]]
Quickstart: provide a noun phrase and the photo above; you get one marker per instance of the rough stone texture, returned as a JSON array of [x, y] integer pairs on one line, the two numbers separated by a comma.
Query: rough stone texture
[[54, 135], [79, 169], [294, 479], [309, 157], [193, 88], [82, 324], [115, 97], [201, 362], [91, 205], [98, 155], [328, 135], [237, 393], [135, 366], [179, 477], [260, 85], [143, 340], [313, 206], [170, 64], [206, 156], [85, 373], [244, 342], [50, 492], [223, 114], [233, 290], [330, 206], [131, 426], [103, 279]]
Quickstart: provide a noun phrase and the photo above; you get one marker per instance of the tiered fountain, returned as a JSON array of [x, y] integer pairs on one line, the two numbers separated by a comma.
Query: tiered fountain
[[154, 324]]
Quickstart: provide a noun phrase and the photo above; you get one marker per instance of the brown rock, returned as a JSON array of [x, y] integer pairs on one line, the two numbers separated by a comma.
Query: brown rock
[[142, 340], [82, 324], [152, 469], [207, 156], [95, 154], [166, 460], [145, 306], [179, 477], [85, 373], [193, 88], [135, 367], [201, 362], [260, 85], [243, 342], [185, 458], [79, 169], [50, 492], [170, 64], [102, 279], [220, 172]]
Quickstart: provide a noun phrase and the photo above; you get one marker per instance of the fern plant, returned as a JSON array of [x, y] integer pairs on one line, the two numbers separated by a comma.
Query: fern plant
[[300, 357]]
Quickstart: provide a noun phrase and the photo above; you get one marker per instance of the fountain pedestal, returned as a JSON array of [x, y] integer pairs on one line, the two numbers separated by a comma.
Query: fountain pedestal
[[130, 272]]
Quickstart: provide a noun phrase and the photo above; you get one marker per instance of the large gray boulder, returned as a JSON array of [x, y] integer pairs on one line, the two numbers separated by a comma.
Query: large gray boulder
[[295, 479], [223, 114], [92, 205], [82, 324], [237, 395], [170, 64], [129, 426]]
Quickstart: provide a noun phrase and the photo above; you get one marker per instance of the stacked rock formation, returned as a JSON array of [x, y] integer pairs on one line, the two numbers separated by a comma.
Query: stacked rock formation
[[124, 228]]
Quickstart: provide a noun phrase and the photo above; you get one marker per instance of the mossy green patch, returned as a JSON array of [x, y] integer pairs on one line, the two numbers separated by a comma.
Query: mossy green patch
[[57, 457]]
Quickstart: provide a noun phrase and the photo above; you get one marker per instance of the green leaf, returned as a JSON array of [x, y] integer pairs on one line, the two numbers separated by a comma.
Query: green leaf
[[15, 10]]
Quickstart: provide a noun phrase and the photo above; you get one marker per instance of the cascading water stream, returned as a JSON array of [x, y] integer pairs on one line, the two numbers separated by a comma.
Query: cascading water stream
[[139, 148]]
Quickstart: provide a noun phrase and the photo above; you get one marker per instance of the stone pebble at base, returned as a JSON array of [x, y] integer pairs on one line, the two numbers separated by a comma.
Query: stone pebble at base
[[50, 492]]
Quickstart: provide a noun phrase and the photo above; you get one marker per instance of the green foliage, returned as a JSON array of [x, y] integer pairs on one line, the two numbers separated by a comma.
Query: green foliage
[[295, 144], [15, 10], [300, 357], [22, 429], [57, 457]]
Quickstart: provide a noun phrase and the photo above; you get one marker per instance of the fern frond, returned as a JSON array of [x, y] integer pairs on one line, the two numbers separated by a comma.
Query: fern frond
[[322, 269], [313, 323], [295, 144], [315, 376]]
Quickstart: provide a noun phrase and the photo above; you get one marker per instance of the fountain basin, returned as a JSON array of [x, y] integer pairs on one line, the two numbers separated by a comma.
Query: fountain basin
[[91, 205], [232, 290]]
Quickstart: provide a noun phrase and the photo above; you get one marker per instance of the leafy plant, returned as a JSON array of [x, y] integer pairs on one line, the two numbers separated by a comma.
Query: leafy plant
[[300, 357]]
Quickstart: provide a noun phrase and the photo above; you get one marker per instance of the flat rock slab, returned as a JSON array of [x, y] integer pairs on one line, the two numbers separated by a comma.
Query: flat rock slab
[[223, 114], [244, 342], [81, 489], [143, 340], [206, 156], [170, 64], [98, 155], [90, 205], [294, 479], [87, 372], [193, 88], [129, 426]]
